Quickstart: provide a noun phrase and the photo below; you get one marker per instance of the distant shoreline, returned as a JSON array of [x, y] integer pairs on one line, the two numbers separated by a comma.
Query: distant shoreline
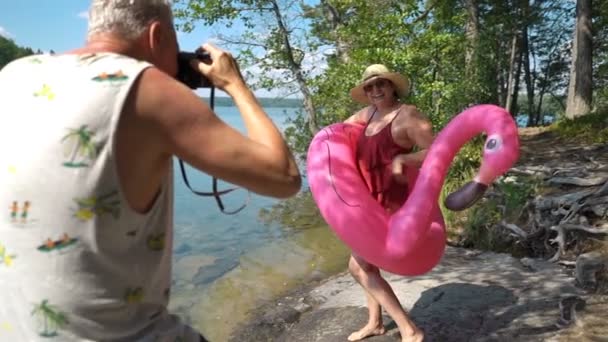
[[267, 102]]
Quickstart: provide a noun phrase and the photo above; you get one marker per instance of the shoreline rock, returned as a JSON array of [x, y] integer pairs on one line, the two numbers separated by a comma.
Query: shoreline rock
[[470, 296]]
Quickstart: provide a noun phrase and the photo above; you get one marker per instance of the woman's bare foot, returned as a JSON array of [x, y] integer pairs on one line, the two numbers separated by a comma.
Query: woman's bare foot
[[367, 331], [416, 336]]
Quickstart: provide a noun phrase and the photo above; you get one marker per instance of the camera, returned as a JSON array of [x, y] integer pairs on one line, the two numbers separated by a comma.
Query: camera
[[187, 75]]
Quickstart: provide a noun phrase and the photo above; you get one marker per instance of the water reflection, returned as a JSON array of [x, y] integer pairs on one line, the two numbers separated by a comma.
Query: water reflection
[[262, 274]]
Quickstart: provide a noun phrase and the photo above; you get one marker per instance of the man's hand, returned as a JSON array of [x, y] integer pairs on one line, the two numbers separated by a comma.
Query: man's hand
[[223, 72]]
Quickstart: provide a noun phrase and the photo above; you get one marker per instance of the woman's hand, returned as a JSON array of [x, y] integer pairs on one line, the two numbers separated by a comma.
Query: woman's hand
[[398, 167]]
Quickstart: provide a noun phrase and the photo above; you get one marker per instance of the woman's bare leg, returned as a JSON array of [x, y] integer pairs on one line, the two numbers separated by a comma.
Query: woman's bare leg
[[374, 324], [380, 294]]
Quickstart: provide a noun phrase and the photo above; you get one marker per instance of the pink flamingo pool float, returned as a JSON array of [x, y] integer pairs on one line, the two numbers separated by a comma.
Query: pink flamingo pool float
[[411, 241]]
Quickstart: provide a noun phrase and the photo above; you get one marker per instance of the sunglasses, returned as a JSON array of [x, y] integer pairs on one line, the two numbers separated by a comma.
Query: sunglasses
[[380, 83]]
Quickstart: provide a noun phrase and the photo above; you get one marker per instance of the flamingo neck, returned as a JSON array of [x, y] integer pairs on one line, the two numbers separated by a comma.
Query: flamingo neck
[[448, 142]]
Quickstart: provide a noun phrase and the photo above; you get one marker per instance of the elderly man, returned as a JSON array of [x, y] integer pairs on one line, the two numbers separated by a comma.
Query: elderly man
[[87, 142]]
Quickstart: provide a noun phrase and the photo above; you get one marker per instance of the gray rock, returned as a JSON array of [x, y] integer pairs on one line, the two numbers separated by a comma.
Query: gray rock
[[469, 296]]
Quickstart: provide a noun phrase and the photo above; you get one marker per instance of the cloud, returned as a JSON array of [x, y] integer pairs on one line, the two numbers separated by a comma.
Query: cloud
[[4, 33], [83, 15]]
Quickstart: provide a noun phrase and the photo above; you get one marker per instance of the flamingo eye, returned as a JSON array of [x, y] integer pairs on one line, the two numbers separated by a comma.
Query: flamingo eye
[[493, 143]]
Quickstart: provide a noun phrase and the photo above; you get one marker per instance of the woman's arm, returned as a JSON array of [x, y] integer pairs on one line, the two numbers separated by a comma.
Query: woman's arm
[[420, 132], [358, 117]]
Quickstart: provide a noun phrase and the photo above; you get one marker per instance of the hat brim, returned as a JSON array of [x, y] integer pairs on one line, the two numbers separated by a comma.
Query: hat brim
[[401, 84]]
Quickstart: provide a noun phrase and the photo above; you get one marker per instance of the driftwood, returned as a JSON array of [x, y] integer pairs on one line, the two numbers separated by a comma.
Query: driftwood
[[578, 181], [551, 225], [565, 227]]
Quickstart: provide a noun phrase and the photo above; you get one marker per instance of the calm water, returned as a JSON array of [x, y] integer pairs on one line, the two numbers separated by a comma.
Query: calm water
[[225, 264]]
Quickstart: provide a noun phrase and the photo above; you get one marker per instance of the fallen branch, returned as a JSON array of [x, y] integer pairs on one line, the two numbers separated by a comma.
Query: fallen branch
[[577, 181], [544, 203], [561, 230], [515, 229], [603, 190], [567, 170], [603, 229]]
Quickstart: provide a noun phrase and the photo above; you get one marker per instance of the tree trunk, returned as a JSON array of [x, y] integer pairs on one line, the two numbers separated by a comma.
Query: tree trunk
[[581, 85], [472, 35], [335, 20], [514, 74], [525, 50], [296, 69], [499, 93], [544, 83]]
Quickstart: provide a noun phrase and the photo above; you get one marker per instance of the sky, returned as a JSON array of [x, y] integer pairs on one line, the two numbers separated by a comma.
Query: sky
[[61, 25]]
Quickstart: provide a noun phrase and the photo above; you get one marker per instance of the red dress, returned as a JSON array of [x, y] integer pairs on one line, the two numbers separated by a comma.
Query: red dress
[[375, 155]]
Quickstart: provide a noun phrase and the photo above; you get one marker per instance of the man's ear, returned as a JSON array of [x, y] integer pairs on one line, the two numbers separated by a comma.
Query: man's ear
[[155, 36]]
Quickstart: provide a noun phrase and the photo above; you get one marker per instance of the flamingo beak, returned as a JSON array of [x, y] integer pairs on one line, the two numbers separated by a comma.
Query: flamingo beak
[[466, 196]]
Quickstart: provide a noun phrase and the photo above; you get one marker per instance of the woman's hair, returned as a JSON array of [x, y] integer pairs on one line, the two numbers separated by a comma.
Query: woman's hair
[[129, 18]]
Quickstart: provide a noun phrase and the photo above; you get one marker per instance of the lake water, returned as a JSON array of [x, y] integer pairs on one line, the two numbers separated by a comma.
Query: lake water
[[224, 265]]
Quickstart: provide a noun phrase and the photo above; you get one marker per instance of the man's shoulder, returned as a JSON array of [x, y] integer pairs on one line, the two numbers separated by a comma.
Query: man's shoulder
[[25, 60]]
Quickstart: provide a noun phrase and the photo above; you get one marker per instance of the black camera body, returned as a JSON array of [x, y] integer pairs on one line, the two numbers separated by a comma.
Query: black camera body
[[187, 75]]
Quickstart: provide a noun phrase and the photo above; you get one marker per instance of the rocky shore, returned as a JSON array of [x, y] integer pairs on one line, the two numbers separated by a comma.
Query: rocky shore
[[469, 296]]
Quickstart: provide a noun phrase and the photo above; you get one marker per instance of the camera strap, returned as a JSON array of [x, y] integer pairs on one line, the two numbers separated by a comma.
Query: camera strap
[[215, 193]]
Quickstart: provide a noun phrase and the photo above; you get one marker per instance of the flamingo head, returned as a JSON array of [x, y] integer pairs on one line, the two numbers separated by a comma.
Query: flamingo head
[[501, 151]]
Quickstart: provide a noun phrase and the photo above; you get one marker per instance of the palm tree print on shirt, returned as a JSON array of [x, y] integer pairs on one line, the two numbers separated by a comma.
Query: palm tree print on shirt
[[35, 60], [156, 242], [14, 209], [81, 147], [52, 319], [45, 92], [90, 207], [55, 245], [6, 259], [134, 295], [20, 214], [111, 77], [6, 326]]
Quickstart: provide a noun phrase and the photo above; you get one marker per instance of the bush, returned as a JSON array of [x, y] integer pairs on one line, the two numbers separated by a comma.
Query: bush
[[510, 194], [591, 128]]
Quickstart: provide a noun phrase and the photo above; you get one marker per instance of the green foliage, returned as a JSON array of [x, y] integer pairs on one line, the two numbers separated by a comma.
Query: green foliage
[[600, 50], [462, 170], [516, 191], [271, 49], [480, 225], [479, 228], [391, 33], [591, 128], [10, 51], [427, 41]]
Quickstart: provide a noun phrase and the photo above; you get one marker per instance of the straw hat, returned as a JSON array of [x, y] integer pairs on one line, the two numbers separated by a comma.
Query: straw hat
[[374, 71]]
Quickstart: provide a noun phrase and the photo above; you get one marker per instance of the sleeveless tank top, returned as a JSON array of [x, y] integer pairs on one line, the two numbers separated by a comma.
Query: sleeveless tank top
[[76, 262], [375, 155]]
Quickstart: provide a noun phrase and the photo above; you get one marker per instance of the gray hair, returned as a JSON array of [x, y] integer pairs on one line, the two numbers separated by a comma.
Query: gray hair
[[129, 18]]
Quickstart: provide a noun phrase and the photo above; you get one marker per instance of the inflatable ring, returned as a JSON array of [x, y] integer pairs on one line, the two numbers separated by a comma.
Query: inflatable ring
[[411, 241]]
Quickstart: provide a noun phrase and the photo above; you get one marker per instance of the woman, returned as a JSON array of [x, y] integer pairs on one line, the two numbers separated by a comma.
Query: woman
[[392, 129]]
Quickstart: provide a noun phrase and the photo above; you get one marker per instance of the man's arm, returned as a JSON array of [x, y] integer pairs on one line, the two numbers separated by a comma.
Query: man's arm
[[186, 127]]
